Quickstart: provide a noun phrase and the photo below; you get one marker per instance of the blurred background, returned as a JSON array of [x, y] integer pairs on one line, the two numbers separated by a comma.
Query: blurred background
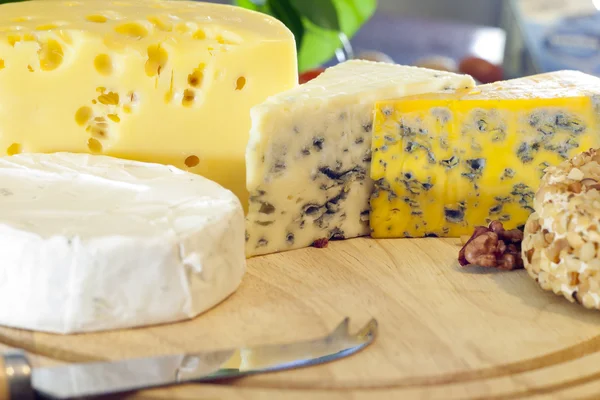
[[490, 39]]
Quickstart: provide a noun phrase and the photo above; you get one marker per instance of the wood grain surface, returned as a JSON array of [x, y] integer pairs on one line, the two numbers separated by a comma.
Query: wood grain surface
[[445, 332], [4, 390]]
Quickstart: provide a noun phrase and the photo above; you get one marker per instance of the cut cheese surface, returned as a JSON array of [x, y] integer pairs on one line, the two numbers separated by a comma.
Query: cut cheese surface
[[309, 153], [445, 163], [93, 243], [151, 80]]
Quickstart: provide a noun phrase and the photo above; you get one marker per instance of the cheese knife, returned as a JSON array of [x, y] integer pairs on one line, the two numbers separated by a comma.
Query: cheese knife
[[19, 381]]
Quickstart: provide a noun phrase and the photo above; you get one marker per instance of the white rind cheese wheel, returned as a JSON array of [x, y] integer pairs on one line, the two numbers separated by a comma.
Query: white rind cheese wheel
[[561, 245], [93, 243]]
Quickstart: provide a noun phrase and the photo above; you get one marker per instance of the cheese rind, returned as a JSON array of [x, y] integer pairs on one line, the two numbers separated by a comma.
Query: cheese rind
[[309, 153], [445, 163], [151, 80], [92, 243]]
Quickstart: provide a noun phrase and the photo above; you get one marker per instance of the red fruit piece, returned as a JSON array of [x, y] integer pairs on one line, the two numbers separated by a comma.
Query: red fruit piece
[[310, 75], [482, 70]]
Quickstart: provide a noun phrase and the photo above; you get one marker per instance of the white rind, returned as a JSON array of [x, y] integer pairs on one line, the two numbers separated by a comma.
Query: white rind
[[92, 243]]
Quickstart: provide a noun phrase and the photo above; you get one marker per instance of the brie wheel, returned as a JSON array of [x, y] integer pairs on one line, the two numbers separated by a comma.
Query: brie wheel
[[92, 243]]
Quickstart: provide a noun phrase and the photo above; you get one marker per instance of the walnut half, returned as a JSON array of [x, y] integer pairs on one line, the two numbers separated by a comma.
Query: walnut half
[[493, 247]]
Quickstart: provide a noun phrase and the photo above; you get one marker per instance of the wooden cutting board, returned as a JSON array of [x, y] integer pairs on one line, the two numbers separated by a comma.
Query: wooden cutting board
[[445, 332]]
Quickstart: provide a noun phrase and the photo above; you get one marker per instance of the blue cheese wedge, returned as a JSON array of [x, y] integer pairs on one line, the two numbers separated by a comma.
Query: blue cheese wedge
[[309, 153], [92, 243]]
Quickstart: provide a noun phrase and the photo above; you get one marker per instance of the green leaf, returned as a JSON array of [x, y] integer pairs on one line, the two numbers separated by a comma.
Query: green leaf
[[318, 47], [354, 13], [321, 13], [255, 5], [319, 44], [283, 11]]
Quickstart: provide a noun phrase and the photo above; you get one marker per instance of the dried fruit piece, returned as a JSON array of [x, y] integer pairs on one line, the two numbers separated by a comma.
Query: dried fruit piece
[[321, 243]]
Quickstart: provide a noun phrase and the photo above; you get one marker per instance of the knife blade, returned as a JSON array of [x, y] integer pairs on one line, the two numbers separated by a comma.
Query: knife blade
[[19, 381]]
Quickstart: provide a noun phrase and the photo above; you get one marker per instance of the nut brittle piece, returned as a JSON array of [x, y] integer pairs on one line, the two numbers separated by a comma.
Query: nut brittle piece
[[561, 244]]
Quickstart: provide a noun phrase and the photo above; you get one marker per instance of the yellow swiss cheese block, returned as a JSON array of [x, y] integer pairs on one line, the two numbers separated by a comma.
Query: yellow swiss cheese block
[[445, 163], [152, 80]]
